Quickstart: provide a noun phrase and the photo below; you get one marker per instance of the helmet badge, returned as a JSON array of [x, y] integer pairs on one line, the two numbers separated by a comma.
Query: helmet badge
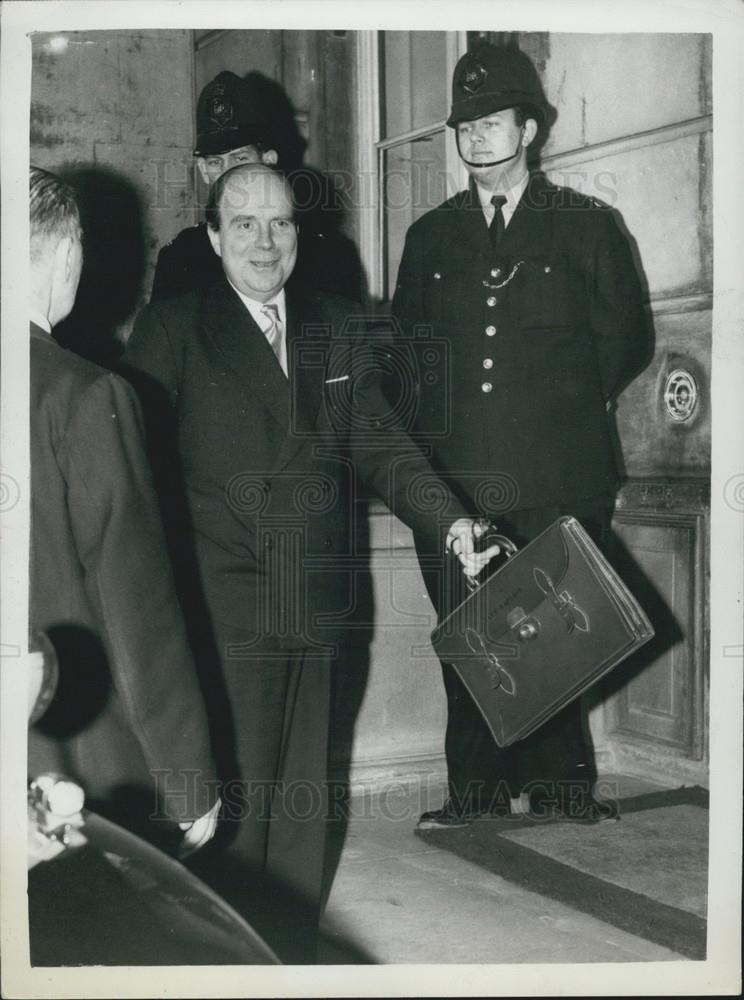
[[473, 78], [221, 109]]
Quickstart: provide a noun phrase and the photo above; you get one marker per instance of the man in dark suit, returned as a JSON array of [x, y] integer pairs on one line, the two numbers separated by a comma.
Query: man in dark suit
[[278, 413], [534, 292], [127, 720]]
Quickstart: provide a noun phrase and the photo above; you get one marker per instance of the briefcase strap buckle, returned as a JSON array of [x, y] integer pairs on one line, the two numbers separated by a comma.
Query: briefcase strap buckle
[[526, 627], [528, 630]]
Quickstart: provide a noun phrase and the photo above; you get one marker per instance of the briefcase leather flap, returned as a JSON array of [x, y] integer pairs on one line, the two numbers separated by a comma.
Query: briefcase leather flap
[[547, 624], [530, 583]]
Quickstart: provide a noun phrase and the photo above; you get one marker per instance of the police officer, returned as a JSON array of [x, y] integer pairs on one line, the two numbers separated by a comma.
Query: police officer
[[250, 120], [230, 130], [531, 292]]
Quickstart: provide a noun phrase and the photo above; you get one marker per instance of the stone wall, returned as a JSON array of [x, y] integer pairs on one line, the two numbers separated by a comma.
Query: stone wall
[[113, 112]]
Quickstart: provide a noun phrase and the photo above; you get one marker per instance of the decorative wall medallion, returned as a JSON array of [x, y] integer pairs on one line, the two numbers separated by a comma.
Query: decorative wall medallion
[[681, 395]]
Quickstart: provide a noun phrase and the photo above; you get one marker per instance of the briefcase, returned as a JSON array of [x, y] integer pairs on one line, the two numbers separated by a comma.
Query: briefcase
[[543, 628]]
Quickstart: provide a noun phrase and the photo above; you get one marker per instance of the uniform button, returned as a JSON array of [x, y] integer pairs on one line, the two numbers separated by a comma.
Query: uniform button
[[547, 268], [437, 275], [495, 272], [487, 363], [491, 300], [490, 331], [486, 387]]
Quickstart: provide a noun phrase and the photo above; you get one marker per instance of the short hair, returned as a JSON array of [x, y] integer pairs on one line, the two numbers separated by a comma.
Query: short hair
[[524, 111], [521, 113], [263, 147], [216, 190], [53, 207]]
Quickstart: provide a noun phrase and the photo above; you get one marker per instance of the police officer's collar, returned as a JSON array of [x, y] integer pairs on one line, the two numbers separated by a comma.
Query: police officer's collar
[[512, 194]]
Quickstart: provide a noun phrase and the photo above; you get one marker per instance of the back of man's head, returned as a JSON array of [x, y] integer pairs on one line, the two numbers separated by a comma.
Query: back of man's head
[[55, 243], [53, 210]]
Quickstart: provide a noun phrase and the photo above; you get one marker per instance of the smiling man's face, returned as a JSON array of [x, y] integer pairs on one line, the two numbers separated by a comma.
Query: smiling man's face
[[257, 236]]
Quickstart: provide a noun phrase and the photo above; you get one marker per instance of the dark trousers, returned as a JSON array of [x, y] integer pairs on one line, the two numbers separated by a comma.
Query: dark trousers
[[480, 774], [267, 859]]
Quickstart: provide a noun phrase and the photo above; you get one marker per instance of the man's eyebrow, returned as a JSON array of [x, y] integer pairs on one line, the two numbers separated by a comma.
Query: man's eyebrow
[[241, 218]]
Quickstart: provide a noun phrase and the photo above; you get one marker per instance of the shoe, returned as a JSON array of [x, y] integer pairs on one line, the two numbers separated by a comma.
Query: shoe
[[449, 817]]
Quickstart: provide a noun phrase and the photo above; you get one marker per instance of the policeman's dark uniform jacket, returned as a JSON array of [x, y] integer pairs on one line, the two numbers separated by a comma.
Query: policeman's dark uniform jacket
[[540, 333], [228, 118], [534, 336]]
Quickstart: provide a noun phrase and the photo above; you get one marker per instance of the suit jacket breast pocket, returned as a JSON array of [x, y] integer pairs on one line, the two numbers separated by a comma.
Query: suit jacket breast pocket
[[547, 294]]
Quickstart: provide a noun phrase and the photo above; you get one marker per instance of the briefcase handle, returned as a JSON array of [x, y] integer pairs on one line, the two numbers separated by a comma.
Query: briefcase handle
[[491, 537]]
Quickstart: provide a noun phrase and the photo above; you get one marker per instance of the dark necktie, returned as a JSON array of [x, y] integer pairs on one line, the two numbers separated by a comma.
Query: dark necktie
[[497, 227]]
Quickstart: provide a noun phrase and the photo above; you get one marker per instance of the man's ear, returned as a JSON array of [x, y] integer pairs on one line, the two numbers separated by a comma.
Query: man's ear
[[214, 239], [202, 165], [270, 156], [529, 131], [63, 259], [69, 256]]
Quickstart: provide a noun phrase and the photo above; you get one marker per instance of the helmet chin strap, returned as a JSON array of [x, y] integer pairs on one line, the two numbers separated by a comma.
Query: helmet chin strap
[[490, 163]]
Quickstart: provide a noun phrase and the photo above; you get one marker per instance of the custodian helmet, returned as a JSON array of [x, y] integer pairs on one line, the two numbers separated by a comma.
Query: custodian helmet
[[227, 117], [491, 78]]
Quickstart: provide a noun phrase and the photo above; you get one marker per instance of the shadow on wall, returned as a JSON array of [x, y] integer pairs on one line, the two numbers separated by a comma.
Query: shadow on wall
[[650, 337], [327, 260], [534, 162], [111, 285]]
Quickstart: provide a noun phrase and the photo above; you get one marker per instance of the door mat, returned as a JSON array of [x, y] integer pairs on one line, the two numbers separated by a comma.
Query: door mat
[[645, 874]]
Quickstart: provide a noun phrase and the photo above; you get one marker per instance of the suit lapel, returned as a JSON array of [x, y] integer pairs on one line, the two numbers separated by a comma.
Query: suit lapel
[[293, 402], [307, 355], [308, 342], [243, 346]]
